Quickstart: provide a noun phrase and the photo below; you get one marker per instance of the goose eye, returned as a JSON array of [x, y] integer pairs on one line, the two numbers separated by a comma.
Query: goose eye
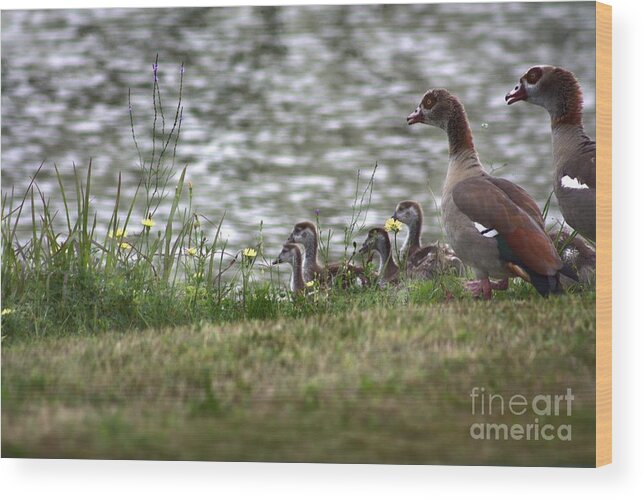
[[428, 102]]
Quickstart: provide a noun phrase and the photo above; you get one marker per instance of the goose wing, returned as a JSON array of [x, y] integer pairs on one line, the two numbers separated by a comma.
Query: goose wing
[[508, 210], [582, 166]]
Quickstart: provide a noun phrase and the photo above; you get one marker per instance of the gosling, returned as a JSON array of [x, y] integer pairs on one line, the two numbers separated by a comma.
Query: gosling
[[290, 253], [306, 234], [423, 261], [379, 242]]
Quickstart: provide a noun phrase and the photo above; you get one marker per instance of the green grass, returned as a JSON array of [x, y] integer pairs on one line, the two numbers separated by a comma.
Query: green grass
[[386, 385]]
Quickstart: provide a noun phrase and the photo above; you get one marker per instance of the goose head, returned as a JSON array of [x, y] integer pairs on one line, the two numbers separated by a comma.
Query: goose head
[[304, 233], [290, 253], [377, 240], [553, 88], [436, 108], [408, 212]]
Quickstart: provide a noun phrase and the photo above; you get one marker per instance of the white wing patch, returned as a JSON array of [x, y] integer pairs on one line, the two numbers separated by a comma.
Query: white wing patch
[[572, 183], [485, 231]]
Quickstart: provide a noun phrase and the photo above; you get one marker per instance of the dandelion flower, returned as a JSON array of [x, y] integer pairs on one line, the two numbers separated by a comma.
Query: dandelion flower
[[148, 222], [125, 246], [190, 251], [310, 284], [250, 252], [393, 225], [120, 233], [7, 311]]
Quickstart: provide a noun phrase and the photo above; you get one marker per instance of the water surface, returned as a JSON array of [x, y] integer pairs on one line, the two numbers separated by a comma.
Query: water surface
[[282, 106]]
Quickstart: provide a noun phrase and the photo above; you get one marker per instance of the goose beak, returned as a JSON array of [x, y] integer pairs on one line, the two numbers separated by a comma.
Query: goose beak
[[290, 239], [518, 93], [364, 249], [414, 117], [276, 261]]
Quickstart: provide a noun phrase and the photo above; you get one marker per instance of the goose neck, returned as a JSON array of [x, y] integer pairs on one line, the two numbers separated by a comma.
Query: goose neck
[[297, 283]]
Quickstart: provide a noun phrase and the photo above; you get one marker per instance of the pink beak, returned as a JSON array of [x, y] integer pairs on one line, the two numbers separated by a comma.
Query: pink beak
[[518, 93], [414, 117]]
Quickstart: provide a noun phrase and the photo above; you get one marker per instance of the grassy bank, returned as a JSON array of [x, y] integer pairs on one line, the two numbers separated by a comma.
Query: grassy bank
[[387, 384]]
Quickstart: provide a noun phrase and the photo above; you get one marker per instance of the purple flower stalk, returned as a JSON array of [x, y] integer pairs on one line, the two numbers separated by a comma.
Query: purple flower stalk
[[155, 68]]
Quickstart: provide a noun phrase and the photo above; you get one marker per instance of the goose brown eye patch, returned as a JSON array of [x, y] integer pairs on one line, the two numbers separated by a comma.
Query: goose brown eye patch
[[533, 75], [428, 102]]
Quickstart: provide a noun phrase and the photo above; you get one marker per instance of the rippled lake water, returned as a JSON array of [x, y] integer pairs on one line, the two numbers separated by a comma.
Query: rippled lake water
[[284, 105]]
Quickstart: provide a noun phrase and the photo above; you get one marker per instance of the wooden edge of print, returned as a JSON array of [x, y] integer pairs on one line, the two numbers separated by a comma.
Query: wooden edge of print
[[604, 234]]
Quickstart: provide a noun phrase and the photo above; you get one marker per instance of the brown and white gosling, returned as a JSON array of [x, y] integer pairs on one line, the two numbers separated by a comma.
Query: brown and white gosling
[[306, 234], [379, 242], [578, 254], [423, 261], [492, 224], [291, 253], [574, 153]]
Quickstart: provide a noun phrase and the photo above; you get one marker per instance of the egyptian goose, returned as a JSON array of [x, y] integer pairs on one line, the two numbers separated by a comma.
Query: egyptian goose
[[378, 241], [558, 91], [410, 214], [290, 253], [492, 224], [306, 234], [422, 261]]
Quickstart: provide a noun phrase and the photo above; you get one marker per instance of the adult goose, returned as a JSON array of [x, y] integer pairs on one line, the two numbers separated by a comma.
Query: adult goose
[[379, 242], [558, 91], [290, 253], [306, 234], [422, 261], [492, 224]]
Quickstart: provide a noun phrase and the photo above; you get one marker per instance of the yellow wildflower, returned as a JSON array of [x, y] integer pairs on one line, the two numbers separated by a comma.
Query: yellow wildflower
[[250, 252], [393, 225], [148, 222], [125, 246], [310, 284], [119, 233], [7, 311], [191, 251]]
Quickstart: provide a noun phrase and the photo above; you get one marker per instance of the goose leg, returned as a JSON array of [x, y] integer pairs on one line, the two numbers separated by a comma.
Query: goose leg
[[481, 287]]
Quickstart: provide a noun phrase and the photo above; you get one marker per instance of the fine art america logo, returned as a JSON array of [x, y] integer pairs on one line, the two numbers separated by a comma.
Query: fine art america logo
[[495, 406]]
